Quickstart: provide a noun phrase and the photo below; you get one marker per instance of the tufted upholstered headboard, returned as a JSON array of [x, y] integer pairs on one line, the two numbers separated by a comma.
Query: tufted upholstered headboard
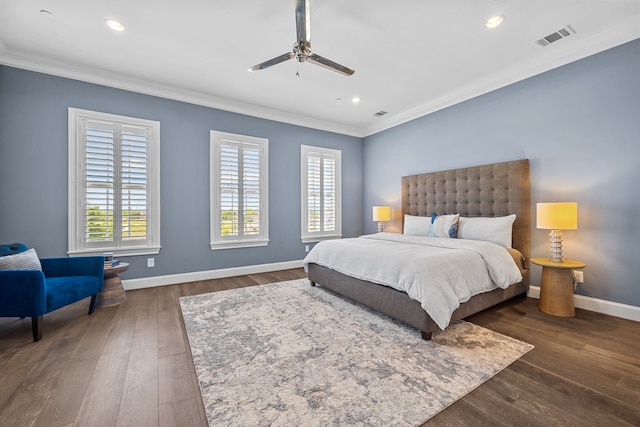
[[497, 189]]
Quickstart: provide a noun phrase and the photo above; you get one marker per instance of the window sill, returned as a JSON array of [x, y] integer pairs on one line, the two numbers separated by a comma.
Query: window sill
[[120, 252], [241, 244]]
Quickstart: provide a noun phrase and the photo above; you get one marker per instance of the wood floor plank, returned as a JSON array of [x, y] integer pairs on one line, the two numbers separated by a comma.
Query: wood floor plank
[[139, 403], [172, 339], [593, 405], [183, 414], [147, 319], [175, 379], [28, 386], [26, 400], [532, 398], [36, 386], [101, 403], [92, 341], [603, 379], [67, 392], [131, 306], [462, 414]]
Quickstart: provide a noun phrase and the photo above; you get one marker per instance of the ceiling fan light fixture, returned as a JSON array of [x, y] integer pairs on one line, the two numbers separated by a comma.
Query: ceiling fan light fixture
[[494, 21], [115, 25]]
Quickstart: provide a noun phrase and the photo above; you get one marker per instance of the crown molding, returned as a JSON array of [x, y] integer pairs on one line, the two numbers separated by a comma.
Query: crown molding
[[562, 55], [148, 87], [556, 56]]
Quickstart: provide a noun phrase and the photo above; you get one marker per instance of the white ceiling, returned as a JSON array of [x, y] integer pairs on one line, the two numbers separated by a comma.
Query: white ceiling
[[411, 57]]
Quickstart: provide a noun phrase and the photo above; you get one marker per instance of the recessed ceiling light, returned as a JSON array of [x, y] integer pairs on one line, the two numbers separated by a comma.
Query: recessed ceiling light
[[355, 100], [115, 25], [495, 21]]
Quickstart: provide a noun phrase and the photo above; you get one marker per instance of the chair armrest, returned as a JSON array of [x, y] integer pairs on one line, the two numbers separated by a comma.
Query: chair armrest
[[22, 293], [73, 266]]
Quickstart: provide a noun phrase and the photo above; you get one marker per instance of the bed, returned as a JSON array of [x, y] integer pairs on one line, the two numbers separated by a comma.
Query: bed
[[494, 190]]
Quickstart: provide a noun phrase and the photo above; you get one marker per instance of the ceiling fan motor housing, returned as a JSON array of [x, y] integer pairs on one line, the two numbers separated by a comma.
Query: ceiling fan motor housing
[[302, 50]]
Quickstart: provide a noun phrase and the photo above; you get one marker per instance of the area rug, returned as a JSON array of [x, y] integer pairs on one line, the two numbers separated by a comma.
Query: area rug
[[289, 354]]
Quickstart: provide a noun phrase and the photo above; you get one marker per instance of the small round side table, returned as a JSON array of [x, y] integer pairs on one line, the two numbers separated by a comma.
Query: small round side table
[[556, 288], [113, 292]]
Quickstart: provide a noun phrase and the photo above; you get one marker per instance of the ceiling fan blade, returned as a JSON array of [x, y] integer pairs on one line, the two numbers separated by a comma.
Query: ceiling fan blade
[[274, 61], [303, 20], [327, 63]]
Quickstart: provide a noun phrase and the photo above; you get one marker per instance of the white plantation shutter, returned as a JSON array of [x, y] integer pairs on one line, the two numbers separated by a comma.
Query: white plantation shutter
[[314, 193], [239, 203], [229, 190], [99, 198], [133, 175], [113, 184], [321, 193], [329, 194], [251, 190]]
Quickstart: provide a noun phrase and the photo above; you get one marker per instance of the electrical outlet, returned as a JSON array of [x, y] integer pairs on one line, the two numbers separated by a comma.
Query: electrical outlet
[[578, 276], [306, 248], [151, 262]]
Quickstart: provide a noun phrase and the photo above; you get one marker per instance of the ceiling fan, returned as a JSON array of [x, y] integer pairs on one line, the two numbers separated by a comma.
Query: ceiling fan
[[302, 48]]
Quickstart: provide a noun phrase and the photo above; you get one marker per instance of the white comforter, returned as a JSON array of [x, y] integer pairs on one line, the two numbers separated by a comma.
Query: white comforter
[[439, 273]]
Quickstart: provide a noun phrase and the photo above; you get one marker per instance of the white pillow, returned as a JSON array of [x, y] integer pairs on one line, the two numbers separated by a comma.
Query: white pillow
[[27, 260], [496, 230], [417, 225], [444, 226]]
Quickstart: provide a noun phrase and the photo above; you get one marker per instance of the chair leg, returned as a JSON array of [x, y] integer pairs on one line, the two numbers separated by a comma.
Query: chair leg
[[92, 306], [36, 327]]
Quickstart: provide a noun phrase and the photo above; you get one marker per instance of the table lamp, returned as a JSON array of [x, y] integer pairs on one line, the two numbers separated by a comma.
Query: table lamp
[[381, 214], [556, 217]]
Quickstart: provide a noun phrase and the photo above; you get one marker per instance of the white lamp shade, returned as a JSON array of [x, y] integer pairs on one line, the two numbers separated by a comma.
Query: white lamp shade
[[557, 216], [381, 213]]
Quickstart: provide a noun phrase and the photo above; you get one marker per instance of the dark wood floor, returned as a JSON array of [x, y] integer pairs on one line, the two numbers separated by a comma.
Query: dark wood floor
[[130, 365]]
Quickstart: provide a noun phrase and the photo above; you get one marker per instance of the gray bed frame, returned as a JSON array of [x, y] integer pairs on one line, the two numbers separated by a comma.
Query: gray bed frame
[[497, 189]]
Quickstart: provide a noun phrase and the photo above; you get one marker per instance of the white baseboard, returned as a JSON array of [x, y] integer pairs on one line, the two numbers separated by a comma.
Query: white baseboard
[[611, 308], [172, 279]]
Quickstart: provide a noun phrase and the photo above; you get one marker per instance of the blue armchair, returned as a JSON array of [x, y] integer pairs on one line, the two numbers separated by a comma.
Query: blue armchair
[[62, 281]]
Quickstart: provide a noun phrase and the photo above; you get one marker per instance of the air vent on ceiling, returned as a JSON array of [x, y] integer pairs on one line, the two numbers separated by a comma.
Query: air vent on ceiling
[[554, 37], [381, 113]]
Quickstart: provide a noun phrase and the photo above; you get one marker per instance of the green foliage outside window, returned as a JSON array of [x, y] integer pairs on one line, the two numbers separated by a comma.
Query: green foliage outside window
[[229, 222], [100, 224]]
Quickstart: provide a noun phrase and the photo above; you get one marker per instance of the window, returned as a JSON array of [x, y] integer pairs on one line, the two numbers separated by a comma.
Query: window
[[114, 184], [239, 191], [321, 195]]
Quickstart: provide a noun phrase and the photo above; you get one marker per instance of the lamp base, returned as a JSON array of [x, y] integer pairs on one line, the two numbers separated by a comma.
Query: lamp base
[[380, 226], [555, 246]]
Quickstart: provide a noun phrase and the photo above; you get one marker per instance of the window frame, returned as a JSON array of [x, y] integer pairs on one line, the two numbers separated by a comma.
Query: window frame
[[217, 240], [77, 243], [315, 236]]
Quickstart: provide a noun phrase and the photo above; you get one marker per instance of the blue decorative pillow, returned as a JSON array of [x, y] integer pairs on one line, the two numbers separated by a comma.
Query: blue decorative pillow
[[444, 226], [12, 249]]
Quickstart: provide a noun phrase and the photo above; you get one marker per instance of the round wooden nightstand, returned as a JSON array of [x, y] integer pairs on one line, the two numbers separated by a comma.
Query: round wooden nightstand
[[556, 288], [112, 291]]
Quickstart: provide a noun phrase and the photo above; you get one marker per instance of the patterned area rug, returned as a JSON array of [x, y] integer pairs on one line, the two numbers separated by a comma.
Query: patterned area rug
[[288, 354]]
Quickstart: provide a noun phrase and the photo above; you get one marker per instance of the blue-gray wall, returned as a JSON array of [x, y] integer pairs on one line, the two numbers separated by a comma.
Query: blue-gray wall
[[580, 127], [33, 172]]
